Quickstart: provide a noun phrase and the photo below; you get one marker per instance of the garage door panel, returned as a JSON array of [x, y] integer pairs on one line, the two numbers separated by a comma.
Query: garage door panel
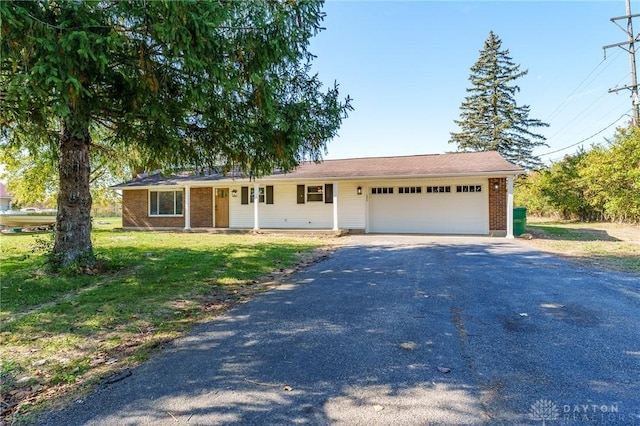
[[441, 213]]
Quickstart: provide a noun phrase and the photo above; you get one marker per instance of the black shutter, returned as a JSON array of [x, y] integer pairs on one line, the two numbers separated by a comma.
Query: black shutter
[[328, 193], [244, 195], [269, 194], [300, 194]]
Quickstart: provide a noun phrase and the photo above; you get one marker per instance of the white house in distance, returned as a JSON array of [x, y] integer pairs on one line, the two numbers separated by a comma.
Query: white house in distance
[[5, 198], [459, 193]]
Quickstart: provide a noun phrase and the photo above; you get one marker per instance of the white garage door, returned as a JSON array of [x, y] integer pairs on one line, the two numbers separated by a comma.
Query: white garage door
[[433, 209]]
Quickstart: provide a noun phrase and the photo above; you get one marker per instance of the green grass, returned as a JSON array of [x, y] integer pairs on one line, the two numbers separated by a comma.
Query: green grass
[[572, 232], [64, 331], [602, 245]]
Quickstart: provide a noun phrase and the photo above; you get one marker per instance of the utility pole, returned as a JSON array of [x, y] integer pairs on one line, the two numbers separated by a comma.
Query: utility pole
[[631, 40]]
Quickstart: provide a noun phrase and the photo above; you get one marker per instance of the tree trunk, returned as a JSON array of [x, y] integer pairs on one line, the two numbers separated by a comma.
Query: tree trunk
[[73, 227]]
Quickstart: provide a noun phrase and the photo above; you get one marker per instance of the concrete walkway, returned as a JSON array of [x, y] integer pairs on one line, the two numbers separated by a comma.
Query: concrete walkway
[[409, 330]]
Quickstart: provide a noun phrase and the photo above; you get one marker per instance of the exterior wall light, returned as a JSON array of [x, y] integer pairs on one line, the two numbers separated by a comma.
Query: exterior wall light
[[234, 192], [496, 186], [359, 190]]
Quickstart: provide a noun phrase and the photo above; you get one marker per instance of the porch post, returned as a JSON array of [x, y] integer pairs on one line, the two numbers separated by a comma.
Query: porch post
[[187, 207], [256, 201], [510, 207], [335, 206]]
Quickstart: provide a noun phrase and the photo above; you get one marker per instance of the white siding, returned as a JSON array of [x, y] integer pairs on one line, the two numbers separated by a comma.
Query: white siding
[[240, 216], [352, 207], [286, 213], [438, 213]]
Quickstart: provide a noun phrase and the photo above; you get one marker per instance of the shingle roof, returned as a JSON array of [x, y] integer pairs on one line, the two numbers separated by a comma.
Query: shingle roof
[[434, 165], [414, 165]]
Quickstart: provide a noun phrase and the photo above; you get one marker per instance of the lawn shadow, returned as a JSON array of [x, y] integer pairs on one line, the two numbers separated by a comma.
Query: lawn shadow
[[613, 262], [549, 232]]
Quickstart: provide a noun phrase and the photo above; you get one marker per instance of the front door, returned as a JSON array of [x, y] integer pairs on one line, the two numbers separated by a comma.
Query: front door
[[222, 207]]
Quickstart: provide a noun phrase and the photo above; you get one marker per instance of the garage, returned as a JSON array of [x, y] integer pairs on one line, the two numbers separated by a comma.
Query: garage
[[444, 207]]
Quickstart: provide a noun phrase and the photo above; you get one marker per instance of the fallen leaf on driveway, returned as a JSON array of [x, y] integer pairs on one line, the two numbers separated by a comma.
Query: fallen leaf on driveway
[[444, 370], [408, 345]]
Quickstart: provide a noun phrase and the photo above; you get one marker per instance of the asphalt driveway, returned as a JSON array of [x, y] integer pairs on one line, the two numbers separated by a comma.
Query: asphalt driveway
[[403, 330]]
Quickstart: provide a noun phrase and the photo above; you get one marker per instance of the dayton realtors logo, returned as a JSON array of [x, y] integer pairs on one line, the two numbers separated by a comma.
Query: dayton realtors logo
[[543, 410]]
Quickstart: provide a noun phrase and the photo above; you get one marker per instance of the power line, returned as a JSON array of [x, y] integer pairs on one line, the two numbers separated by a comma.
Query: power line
[[581, 114], [585, 139], [580, 85]]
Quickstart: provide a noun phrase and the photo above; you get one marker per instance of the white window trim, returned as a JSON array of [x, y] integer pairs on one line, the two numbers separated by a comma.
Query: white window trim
[[320, 193], [262, 194], [174, 203]]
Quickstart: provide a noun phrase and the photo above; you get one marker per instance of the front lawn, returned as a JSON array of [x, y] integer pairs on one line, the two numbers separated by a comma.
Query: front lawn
[[64, 333], [601, 245]]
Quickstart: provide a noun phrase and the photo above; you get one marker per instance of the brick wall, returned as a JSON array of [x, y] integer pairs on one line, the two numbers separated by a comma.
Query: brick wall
[[135, 212], [134, 207], [498, 205], [202, 207]]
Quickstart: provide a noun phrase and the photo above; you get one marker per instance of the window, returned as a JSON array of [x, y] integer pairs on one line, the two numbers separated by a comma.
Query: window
[[410, 190], [433, 189], [315, 193], [165, 203], [383, 190], [469, 188], [264, 194], [260, 195]]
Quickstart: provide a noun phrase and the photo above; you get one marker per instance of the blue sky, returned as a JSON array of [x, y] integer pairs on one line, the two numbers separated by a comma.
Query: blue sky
[[406, 65]]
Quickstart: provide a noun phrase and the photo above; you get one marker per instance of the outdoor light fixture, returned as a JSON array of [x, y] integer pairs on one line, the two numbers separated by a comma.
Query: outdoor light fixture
[[359, 190], [496, 186], [234, 192]]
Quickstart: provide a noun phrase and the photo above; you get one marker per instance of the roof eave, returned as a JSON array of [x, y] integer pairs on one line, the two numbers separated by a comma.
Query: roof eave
[[292, 178], [499, 173]]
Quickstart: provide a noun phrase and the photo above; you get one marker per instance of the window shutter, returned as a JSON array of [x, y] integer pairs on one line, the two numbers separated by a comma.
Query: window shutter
[[328, 193], [244, 195], [300, 194], [269, 194]]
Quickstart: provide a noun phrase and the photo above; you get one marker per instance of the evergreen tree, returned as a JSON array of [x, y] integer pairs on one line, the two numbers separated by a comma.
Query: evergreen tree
[[198, 84], [491, 120]]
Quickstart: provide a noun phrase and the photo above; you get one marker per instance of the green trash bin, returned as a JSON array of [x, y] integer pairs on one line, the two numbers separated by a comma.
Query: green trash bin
[[519, 220]]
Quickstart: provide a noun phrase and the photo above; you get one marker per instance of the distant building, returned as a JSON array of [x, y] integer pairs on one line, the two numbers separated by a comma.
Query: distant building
[[5, 198]]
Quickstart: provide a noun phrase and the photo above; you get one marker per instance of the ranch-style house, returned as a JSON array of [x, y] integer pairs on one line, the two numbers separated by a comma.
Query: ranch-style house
[[458, 193]]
